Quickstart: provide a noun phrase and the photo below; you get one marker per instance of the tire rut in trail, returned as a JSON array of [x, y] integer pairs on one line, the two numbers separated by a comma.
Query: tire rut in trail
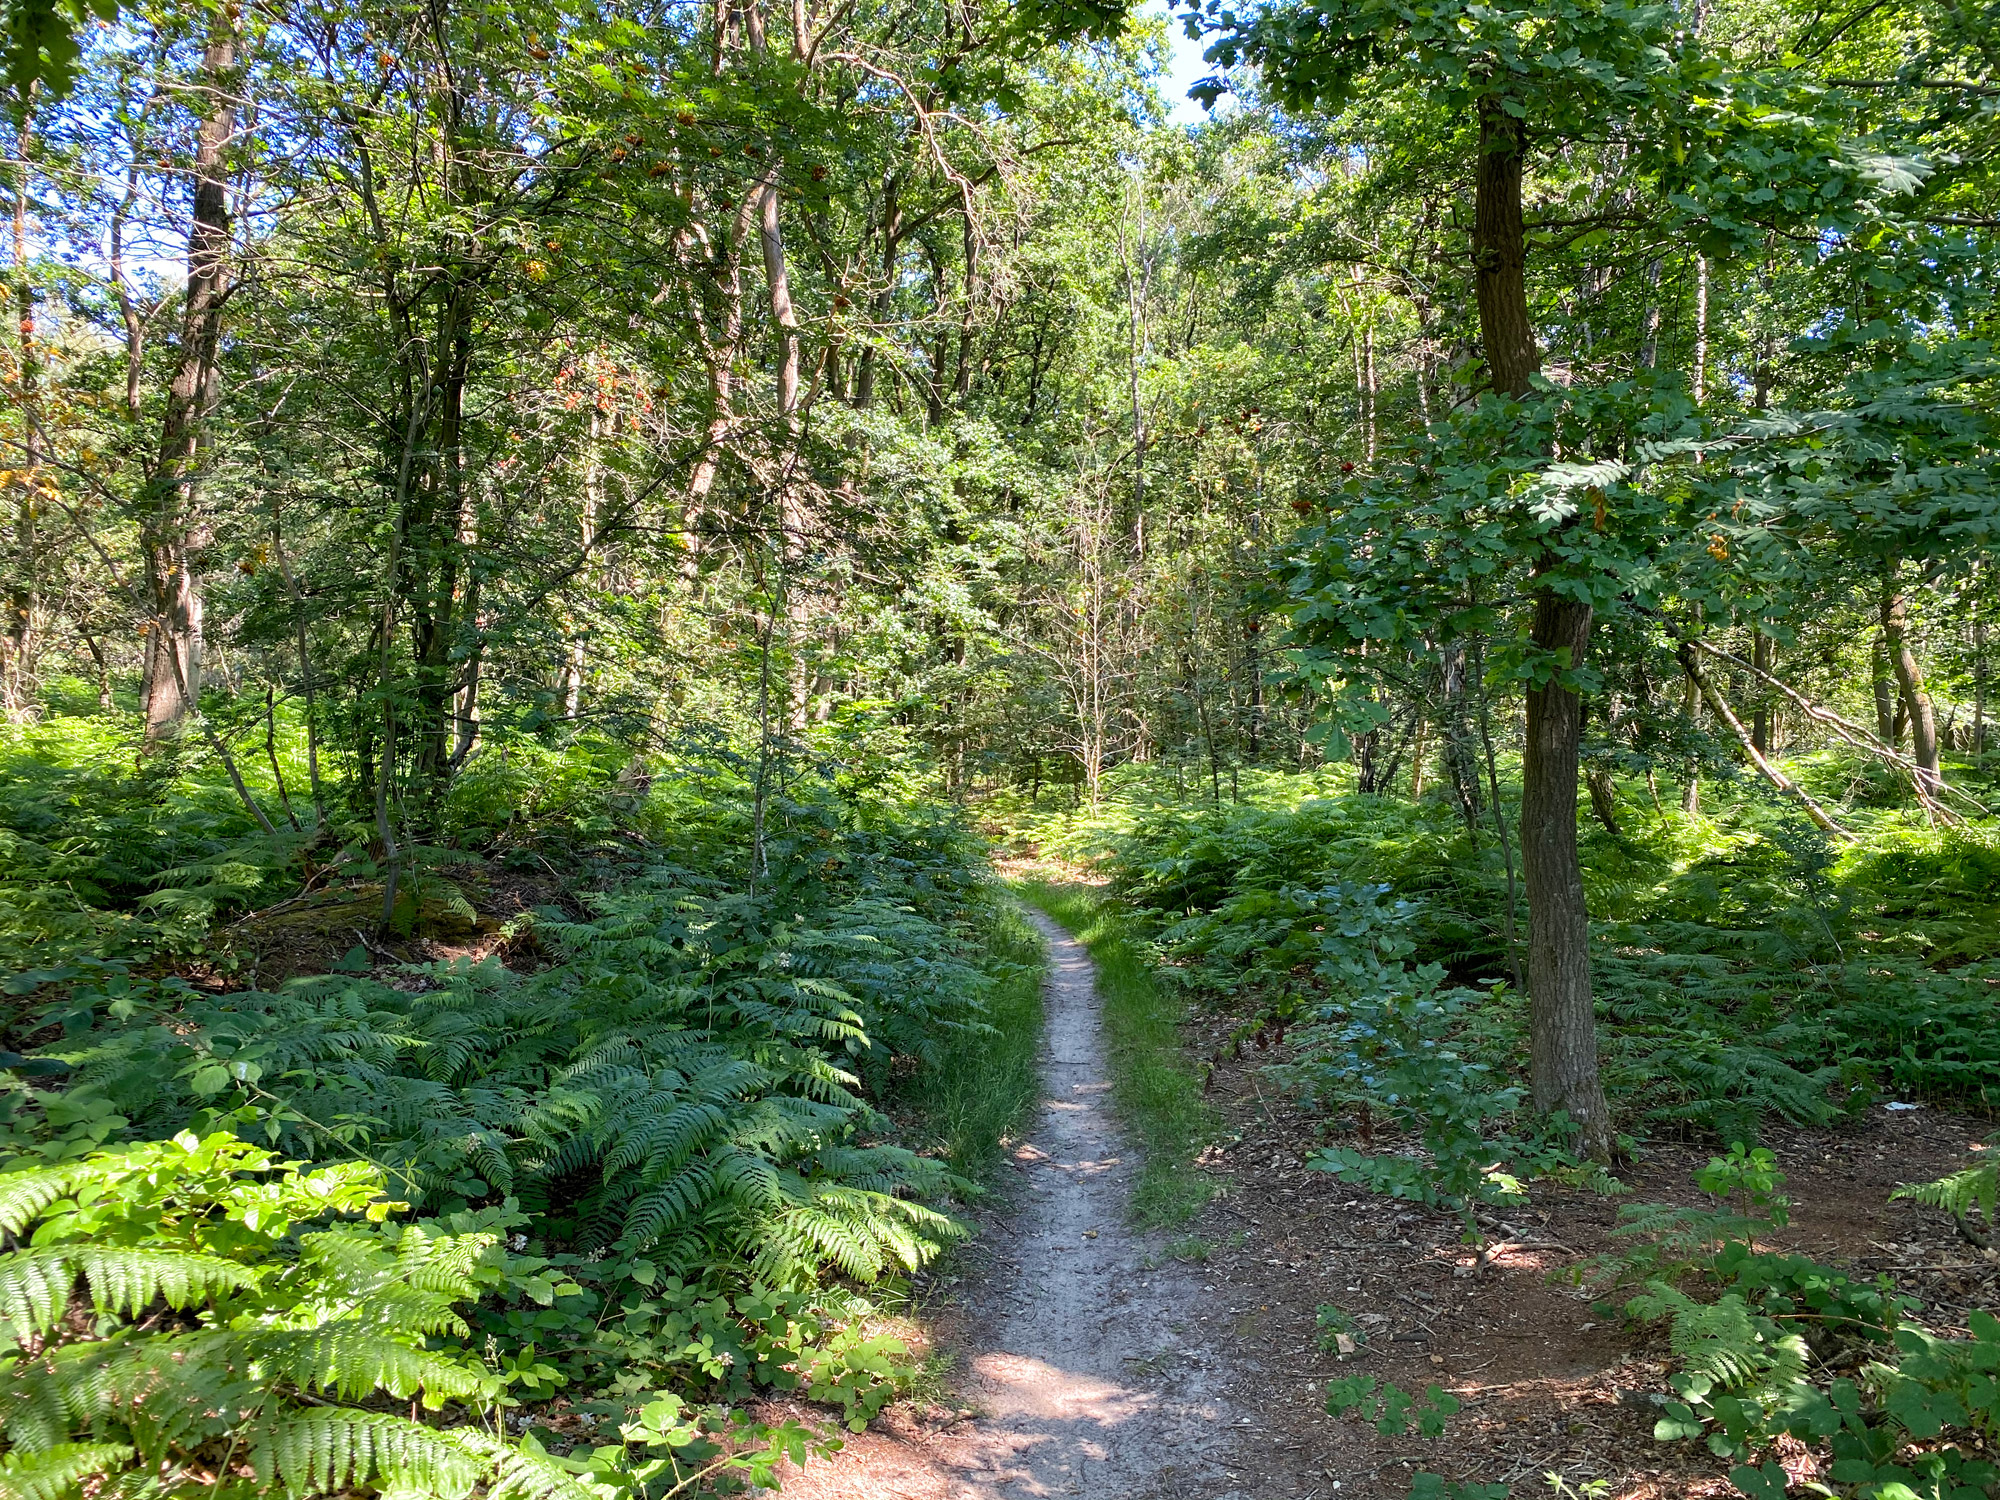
[[1082, 1359]]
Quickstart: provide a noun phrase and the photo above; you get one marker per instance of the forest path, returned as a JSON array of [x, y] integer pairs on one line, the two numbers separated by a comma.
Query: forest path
[[1080, 1350]]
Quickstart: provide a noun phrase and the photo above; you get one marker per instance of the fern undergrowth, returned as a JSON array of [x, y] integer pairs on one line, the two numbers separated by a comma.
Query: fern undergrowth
[[459, 1227]]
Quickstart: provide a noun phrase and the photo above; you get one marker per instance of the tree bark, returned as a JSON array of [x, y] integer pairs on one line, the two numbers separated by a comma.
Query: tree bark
[[1460, 760], [17, 644], [892, 245], [166, 533], [1500, 251], [1760, 719], [1136, 289], [1980, 572], [1604, 799], [1885, 694], [1909, 676], [1562, 1019]]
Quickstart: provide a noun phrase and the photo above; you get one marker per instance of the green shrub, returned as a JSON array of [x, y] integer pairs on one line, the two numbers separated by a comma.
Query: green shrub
[[674, 1083], [192, 1307], [1746, 969]]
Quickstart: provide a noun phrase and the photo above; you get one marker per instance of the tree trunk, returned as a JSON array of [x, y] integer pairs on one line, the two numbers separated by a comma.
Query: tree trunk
[[1603, 799], [1886, 727], [1980, 572], [593, 507], [892, 244], [1460, 760], [1760, 715], [166, 533], [961, 381], [17, 645], [1691, 776], [1253, 664], [1136, 288], [1562, 1019], [96, 649], [1500, 252], [1909, 676], [1700, 383]]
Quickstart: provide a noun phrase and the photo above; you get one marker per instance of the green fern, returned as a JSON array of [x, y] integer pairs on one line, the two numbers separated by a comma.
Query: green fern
[[1976, 1190], [59, 1470], [291, 1343], [1724, 1344], [35, 1285], [1665, 1241], [24, 1194], [326, 1451], [1738, 1367], [658, 1087], [526, 1473]]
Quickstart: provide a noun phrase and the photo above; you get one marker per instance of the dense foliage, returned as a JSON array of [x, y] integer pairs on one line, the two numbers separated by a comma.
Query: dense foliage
[[534, 532], [647, 1166]]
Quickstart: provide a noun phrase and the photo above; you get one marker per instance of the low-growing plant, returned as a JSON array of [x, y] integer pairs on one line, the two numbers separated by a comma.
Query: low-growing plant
[[1971, 1196], [1390, 1409], [1783, 1346], [194, 1307], [266, 1312], [1425, 1485], [1334, 1323], [672, 1085]]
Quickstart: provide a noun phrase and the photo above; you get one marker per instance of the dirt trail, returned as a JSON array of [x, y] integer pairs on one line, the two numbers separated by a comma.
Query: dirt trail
[[1082, 1356]]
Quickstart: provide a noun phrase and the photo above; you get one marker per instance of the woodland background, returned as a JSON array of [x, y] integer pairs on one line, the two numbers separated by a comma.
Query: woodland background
[[543, 540]]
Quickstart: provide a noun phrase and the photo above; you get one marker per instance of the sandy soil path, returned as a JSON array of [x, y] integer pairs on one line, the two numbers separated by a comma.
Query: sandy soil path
[[1082, 1359]]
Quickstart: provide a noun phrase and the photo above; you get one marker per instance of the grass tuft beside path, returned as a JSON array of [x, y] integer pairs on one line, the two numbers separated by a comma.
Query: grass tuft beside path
[[1157, 1095], [984, 1084]]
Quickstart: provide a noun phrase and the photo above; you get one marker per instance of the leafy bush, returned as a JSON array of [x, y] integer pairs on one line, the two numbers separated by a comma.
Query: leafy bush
[[1384, 1044], [100, 855], [1745, 968], [1935, 890], [1230, 866]]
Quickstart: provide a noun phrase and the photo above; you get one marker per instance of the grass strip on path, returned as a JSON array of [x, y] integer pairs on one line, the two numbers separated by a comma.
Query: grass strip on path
[[1154, 1090]]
